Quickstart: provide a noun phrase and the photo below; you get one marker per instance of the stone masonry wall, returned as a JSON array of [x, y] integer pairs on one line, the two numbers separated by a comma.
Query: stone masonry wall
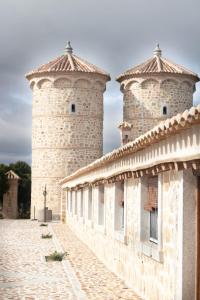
[[153, 279], [145, 97], [62, 140]]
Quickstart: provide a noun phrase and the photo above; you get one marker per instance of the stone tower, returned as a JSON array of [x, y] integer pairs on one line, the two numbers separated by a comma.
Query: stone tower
[[67, 123], [154, 90]]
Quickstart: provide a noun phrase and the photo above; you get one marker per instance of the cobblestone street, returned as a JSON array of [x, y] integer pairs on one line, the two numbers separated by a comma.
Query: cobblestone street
[[24, 273]]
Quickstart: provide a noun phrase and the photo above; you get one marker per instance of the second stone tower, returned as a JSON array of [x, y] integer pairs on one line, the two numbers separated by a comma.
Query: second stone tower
[[154, 91], [67, 124]]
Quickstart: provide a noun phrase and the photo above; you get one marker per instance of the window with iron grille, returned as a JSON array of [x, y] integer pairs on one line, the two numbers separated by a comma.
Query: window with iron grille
[[151, 206], [119, 206], [101, 205]]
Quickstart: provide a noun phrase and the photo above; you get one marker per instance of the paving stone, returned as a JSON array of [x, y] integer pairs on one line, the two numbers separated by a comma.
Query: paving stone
[[24, 273], [96, 280]]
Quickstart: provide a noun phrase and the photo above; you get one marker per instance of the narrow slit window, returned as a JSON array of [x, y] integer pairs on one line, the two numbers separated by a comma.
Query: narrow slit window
[[73, 108], [164, 110]]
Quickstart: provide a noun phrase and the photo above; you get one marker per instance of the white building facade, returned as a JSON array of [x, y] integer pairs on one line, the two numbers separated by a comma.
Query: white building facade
[[138, 209]]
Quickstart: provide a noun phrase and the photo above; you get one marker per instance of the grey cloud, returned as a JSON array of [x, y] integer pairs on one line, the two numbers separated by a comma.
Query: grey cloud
[[114, 35]]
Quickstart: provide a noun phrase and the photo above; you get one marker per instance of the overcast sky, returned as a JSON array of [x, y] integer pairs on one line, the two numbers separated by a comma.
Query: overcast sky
[[112, 34]]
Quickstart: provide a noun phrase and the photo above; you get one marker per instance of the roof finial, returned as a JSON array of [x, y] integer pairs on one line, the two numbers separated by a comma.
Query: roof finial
[[157, 51], [68, 48]]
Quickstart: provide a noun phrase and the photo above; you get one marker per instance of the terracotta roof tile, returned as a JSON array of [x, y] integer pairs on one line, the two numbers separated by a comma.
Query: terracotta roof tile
[[125, 125], [68, 62], [12, 175], [157, 64]]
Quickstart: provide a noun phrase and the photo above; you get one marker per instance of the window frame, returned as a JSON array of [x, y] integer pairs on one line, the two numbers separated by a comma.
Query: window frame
[[119, 227], [101, 205], [149, 247]]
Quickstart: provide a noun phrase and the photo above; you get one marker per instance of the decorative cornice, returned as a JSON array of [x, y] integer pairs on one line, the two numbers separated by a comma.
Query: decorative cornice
[[163, 167]]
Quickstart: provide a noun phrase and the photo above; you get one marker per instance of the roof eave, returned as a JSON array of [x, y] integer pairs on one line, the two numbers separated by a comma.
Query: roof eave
[[159, 132], [123, 77], [33, 74]]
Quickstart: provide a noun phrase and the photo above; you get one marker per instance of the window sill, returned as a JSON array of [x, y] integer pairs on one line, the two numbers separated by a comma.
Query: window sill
[[151, 250], [119, 236]]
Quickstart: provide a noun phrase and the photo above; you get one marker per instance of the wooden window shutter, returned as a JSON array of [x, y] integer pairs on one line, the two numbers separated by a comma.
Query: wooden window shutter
[[152, 193]]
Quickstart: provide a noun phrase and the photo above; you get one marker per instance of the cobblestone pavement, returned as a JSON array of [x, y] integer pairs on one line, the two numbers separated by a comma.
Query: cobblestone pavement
[[24, 273], [96, 280]]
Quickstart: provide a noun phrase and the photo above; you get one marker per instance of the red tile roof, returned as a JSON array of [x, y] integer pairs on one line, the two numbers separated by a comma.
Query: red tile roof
[[157, 64], [68, 62]]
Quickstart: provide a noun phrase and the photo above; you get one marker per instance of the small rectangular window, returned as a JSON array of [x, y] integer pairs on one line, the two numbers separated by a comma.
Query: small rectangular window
[[164, 110], [73, 108]]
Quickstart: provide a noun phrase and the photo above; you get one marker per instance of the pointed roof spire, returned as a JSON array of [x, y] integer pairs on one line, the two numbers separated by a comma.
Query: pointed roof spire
[[157, 51], [157, 65], [68, 62], [68, 48]]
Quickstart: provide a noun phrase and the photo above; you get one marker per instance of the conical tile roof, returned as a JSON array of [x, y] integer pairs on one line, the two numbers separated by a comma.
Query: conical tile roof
[[157, 64], [68, 62]]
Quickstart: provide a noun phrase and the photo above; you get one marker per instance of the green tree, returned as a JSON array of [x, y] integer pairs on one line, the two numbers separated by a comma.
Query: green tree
[[23, 170], [3, 182]]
